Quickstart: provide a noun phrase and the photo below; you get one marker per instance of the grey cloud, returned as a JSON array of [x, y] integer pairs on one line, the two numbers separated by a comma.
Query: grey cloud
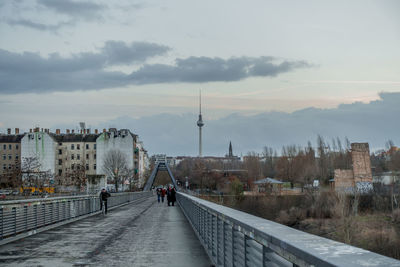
[[82, 9], [39, 26], [29, 72], [374, 122], [205, 69], [118, 52]]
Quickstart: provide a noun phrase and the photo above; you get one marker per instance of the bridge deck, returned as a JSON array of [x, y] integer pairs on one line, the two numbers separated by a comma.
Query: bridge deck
[[144, 234]]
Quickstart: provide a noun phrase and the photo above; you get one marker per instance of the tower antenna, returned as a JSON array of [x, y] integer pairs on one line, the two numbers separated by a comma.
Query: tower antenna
[[200, 124]]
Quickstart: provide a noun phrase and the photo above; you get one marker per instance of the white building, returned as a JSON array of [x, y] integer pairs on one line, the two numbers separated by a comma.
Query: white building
[[122, 140], [42, 146], [143, 163]]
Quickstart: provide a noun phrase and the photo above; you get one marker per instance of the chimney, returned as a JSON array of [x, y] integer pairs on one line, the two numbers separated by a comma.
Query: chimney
[[30, 130], [88, 131], [16, 130], [104, 130], [73, 131], [8, 130], [58, 131], [67, 131], [96, 131], [81, 131]]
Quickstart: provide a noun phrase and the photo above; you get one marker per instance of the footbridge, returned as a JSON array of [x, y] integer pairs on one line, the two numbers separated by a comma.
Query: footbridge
[[139, 231], [159, 166]]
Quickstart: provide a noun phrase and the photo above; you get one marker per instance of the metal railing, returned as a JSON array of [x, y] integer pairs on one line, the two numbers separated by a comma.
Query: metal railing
[[21, 216], [235, 238]]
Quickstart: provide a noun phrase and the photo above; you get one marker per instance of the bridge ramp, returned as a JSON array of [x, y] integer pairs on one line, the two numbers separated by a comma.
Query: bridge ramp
[[142, 234]]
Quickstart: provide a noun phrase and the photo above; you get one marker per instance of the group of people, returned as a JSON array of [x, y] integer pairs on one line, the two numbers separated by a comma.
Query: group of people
[[170, 192]]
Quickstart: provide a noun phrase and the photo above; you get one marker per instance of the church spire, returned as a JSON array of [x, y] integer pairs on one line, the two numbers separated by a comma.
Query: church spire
[[230, 150]]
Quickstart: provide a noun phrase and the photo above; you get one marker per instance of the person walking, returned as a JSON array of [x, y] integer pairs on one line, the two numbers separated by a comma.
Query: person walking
[[171, 195], [163, 193], [159, 194], [103, 198]]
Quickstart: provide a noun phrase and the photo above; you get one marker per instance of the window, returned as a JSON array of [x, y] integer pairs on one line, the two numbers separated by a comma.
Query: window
[[72, 156], [78, 156], [87, 146], [78, 167], [4, 166], [94, 146], [9, 166], [17, 167], [4, 147], [16, 146], [9, 156], [59, 152], [59, 171], [4, 156], [9, 147], [87, 156], [60, 162], [72, 167], [72, 146], [87, 167], [94, 166], [94, 156], [16, 157], [78, 146]]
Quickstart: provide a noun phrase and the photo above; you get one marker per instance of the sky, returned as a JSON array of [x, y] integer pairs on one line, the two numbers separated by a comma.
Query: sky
[[283, 68]]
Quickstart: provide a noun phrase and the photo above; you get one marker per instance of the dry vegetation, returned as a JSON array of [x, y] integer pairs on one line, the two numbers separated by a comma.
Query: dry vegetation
[[374, 227]]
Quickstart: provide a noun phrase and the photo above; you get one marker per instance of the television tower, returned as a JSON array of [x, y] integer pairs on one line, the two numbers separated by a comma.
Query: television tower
[[200, 123]]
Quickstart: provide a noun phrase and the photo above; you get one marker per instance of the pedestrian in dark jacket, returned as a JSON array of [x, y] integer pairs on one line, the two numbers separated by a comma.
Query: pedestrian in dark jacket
[[163, 193], [103, 197], [159, 194], [171, 195]]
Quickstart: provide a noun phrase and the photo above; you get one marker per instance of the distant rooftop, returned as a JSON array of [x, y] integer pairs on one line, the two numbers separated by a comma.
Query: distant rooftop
[[268, 181]]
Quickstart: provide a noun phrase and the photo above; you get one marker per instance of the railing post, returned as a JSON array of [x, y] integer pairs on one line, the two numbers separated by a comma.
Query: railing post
[[57, 211], [233, 246], [26, 217], [14, 212], [1, 223], [44, 213], [35, 213], [245, 250], [51, 212]]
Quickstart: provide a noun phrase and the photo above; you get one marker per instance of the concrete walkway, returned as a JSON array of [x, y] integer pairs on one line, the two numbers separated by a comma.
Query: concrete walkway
[[142, 234]]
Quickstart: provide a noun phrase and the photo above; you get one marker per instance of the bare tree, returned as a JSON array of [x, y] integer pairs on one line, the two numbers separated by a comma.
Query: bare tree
[[253, 166], [76, 175], [30, 168], [115, 166]]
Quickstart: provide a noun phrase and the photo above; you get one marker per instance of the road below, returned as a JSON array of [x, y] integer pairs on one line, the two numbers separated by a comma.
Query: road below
[[143, 234]]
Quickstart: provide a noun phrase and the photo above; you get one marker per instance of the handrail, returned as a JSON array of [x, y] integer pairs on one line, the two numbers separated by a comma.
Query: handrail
[[235, 238], [30, 200], [23, 216]]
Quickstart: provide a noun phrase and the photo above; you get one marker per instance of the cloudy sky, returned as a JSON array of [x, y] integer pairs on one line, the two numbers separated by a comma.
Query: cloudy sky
[[287, 69]]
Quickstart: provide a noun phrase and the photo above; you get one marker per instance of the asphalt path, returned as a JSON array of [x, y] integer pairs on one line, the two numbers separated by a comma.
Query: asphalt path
[[146, 233]]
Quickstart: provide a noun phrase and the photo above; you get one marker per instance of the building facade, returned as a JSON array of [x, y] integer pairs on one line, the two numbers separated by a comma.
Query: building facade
[[10, 158], [38, 146], [64, 157]]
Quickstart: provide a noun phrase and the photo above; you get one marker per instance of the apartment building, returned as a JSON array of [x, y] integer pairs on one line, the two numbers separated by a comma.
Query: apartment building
[[64, 155], [75, 153], [10, 157], [122, 140], [40, 146]]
